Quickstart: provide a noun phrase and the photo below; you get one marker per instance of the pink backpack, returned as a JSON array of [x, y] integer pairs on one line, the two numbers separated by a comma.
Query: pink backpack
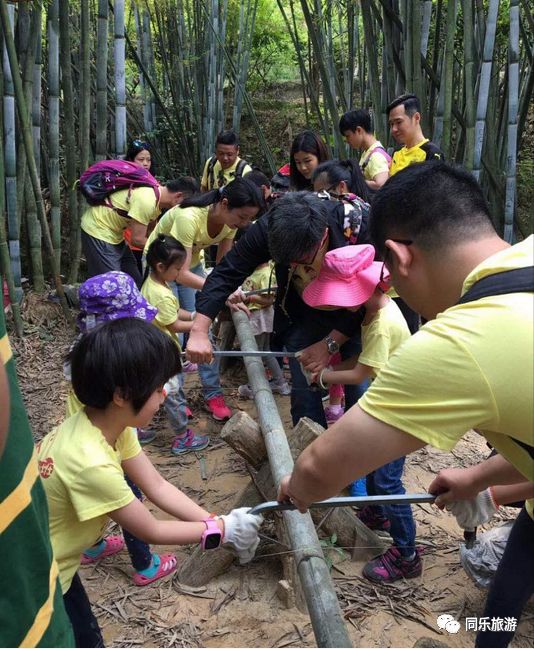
[[104, 178]]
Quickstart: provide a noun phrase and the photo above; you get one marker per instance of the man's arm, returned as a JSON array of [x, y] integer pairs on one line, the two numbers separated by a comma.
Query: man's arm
[[353, 447], [378, 180], [138, 230]]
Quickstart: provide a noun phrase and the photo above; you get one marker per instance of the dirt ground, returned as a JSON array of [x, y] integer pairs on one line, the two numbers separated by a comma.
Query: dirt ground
[[241, 607]]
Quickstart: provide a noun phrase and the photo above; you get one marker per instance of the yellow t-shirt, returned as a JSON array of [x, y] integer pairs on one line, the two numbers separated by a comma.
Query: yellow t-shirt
[[189, 225], [470, 367], [383, 336], [84, 481], [103, 223], [377, 164], [261, 278], [166, 303], [424, 150], [227, 174]]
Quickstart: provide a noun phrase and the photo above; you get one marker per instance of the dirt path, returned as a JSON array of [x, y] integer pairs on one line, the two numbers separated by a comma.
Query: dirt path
[[241, 608]]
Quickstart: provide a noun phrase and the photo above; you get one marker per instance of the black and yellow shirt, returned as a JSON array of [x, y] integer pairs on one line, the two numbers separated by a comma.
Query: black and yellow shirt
[[31, 603], [422, 151]]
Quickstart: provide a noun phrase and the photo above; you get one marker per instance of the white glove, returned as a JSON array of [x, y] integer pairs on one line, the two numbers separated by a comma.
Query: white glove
[[241, 531], [307, 375], [472, 513]]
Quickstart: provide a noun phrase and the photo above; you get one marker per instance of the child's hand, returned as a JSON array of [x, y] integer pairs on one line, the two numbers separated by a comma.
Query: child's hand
[[241, 531]]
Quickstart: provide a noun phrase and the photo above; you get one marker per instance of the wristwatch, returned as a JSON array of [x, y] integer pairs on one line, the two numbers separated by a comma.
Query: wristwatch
[[333, 346], [211, 537]]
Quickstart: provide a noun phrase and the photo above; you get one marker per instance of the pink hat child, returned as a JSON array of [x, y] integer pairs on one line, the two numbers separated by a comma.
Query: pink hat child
[[348, 278]]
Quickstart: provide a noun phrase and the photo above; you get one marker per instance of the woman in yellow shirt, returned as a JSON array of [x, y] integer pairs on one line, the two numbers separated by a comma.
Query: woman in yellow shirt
[[197, 223]]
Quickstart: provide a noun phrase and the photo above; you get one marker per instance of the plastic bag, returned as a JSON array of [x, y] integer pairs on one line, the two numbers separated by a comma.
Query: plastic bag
[[481, 561]]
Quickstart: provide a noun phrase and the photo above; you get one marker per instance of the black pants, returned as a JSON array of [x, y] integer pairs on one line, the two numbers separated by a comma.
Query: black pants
[[513, 583], [84, 624], [103, 257]]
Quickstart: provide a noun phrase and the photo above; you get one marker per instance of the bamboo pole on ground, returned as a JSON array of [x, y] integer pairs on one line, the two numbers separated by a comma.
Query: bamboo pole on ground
[[53, 124], [28, 145], [120, 79], [513, 104]]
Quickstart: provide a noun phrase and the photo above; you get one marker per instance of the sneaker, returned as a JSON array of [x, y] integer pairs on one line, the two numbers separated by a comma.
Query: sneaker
[[245, 391], [372, 521], [145, 436], [333, 413], [391, 566], [280, 386], [218, 408], [358, 488], [188, 412], [188, 367], [189, 442]]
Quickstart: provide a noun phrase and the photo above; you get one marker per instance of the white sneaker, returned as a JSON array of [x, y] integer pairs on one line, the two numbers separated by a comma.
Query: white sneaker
[[282, 387]]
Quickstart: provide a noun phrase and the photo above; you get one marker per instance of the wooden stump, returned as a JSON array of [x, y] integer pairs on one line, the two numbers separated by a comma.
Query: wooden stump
[[243, 434]]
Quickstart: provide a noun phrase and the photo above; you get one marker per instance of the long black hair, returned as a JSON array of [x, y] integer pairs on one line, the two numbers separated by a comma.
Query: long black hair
[[309, 142], [239, 193], [348, 171]]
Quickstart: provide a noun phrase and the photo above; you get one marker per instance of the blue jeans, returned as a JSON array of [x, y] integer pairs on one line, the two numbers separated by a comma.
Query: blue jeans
[[139, 551], [304, 401], [208, 372], [387, 481], [175, 403]]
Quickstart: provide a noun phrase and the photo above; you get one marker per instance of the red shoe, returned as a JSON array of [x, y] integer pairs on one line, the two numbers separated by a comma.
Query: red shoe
[[188, 412], [218, 408]]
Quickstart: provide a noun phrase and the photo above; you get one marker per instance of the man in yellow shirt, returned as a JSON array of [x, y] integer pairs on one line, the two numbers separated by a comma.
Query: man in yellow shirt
[[225, 165], [103, 227], [356, 126], [404, 117], [468, 367]]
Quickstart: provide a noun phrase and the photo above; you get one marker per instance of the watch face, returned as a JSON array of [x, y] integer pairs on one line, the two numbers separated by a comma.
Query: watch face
[[212, 541]]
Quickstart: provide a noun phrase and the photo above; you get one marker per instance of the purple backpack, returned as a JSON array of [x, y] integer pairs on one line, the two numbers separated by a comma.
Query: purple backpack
[[108, 176]]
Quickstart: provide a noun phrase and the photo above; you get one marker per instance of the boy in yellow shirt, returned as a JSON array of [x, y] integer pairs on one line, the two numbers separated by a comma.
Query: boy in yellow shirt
[[350, 278]]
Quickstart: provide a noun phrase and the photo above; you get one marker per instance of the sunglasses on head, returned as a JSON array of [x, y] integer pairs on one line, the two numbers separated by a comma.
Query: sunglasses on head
[[139, 144]]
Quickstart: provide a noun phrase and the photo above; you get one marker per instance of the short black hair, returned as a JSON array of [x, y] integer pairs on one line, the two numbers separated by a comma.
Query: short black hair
[[432, 203], [410, 102], [296, 224], [185, 184], [227, 137], [347, 170], [257, 177], [164, 250], [129, 355], [354, 118]]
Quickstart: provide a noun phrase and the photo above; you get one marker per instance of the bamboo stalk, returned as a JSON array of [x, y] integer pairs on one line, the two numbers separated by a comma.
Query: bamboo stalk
[[370, 45], [120, 79], [102, 80], [447, 79], [10, 153], [28, 145], [484, 85], [469, 82], [513, 102], [53, 124]]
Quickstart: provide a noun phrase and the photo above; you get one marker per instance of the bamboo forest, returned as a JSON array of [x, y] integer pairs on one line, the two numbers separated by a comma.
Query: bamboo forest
[[82, 78]]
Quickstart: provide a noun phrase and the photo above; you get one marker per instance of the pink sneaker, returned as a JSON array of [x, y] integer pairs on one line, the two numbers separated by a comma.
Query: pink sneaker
[[218, 408], [391, 566], [333, 413], [189, 442]]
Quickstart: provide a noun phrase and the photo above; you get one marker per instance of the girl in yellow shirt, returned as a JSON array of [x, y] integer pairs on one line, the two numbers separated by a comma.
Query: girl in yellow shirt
[[165, 259]]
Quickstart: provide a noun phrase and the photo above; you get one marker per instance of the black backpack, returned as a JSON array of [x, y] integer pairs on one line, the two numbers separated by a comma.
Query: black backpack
[[238, 173]]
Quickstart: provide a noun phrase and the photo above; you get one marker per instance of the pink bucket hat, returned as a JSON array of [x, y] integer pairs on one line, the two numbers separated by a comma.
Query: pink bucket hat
[[348, 278]]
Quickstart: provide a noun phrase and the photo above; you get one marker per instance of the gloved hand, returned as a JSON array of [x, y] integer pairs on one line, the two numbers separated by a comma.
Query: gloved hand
[[309, 376], [241, 531], [472, 513]]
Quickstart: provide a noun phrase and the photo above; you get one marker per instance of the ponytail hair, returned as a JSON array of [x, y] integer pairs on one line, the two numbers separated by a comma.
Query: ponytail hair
[[239, 193], [348, 171], [164, 250]]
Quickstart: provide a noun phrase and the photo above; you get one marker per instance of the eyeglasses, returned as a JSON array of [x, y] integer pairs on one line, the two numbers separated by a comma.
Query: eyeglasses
[[406, 242], [309, 259]]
